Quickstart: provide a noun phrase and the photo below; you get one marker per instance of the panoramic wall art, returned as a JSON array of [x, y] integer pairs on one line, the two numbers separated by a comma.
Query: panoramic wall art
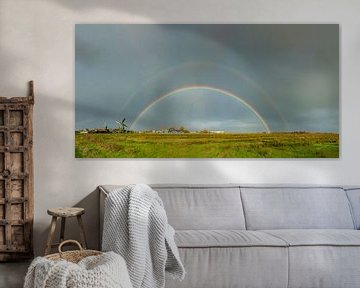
[[207, 91]]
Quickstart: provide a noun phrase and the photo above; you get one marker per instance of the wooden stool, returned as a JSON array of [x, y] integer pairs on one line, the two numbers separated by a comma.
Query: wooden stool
[[64, 213]]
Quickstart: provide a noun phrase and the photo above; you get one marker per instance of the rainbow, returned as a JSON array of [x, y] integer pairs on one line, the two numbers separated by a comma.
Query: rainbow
[[187, 88]]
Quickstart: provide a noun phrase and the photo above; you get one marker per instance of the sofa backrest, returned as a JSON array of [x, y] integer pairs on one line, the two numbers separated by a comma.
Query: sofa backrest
[[200, 207], [296, 208], [257, 207]]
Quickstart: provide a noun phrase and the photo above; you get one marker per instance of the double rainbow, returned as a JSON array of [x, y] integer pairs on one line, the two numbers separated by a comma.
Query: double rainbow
[[202, 87]]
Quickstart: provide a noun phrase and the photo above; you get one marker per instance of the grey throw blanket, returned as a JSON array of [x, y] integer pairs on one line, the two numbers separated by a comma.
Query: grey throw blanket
[[136, 227]]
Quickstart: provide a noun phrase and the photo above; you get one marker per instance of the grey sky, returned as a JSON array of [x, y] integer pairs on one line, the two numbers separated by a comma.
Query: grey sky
[[288, 74]]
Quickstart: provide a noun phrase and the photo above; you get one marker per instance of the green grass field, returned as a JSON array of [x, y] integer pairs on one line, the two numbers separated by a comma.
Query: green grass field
[[254, 145]]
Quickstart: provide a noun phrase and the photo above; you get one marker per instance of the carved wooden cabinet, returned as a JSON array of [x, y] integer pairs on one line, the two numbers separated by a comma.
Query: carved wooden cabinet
[[16, 177]]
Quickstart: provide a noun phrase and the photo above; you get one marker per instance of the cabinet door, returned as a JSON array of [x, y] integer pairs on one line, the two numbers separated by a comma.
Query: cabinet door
[[15, 187]]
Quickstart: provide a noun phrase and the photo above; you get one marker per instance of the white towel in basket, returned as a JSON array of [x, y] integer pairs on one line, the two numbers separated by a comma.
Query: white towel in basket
[[107, 270]]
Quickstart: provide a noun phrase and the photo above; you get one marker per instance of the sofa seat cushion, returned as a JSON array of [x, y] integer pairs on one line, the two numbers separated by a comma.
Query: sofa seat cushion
[[317, 237], [225, 267], [324, 258], [225, 238]]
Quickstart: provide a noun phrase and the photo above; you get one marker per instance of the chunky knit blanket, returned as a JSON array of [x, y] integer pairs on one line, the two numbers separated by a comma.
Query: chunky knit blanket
[[103, 271], [136, 227]]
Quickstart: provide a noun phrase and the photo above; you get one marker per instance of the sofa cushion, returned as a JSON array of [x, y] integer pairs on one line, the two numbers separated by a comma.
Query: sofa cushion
[[191, 207], [324, 266], [218, 267], [296, 208], [315, 237], [323, 258], [194, 207], [226, 238]]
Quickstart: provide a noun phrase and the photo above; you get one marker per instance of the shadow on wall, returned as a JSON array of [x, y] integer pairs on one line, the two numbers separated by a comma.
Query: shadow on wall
[[9, 60], [57, 171], [91, 218], [150, 9], [131, 6]]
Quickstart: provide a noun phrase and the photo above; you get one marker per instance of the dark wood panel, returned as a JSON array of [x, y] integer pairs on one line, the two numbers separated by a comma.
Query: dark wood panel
[[16, 177]]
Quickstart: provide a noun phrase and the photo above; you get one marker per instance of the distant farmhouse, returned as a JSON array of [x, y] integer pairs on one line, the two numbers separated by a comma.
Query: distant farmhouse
[[171, 130]]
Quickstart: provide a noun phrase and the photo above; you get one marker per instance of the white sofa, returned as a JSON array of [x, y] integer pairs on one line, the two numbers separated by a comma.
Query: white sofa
[[263, 236]]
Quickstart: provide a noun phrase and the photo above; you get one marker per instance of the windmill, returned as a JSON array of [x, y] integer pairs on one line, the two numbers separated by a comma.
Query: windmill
[[122, 125]]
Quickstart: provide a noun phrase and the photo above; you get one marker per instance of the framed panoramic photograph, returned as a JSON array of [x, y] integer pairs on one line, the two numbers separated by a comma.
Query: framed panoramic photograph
[[207, 91]]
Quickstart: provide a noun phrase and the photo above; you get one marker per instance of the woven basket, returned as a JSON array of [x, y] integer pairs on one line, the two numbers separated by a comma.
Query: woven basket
[[72, 256]]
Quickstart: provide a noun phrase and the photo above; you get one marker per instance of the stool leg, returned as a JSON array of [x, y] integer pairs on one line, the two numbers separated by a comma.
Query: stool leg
[[62, 231], [82, 232], [51, 235]]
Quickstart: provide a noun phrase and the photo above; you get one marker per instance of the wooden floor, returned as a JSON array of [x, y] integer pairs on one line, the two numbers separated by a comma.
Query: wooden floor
[[12, 274]]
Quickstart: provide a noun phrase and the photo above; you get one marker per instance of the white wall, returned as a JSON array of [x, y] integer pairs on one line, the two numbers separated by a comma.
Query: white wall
[[37, 42]]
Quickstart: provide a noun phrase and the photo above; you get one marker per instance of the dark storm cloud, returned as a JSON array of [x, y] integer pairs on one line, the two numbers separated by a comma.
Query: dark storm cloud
[[288, 73]]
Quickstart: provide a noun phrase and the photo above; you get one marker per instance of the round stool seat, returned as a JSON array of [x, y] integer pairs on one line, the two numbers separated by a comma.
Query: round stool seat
[[66, 211]]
